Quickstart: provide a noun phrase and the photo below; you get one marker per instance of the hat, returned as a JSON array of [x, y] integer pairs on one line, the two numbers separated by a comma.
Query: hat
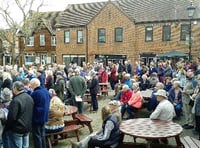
[[161, 92], [59, 73], [114, 102]]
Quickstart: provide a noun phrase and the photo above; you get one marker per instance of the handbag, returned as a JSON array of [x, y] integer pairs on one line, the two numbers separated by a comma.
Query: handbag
[[191, 102]]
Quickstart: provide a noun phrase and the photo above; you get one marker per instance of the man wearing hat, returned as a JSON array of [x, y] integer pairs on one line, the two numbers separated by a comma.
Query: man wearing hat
[[165, 109]]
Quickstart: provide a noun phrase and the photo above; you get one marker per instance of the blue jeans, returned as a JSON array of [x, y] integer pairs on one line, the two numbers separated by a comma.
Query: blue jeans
[[15, 140], [38, 132]]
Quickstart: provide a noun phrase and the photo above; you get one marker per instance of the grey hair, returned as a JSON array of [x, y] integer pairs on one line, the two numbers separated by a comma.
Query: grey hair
[[18, 85], [35, 81]]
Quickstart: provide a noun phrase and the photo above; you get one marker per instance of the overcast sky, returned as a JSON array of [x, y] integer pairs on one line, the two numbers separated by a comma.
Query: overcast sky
[[50, 5]]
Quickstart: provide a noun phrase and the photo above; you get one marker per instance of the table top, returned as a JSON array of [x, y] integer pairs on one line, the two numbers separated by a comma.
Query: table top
[[69, 110], [150, 129]]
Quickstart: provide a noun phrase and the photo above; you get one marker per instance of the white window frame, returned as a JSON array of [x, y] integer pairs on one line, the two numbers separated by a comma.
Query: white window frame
[[80, 36], [67, 37], [42, 40], [29, 55], [53, 40], [31, 41]]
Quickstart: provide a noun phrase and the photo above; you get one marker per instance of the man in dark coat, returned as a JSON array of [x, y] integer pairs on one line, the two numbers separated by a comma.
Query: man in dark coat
[[19, 121]]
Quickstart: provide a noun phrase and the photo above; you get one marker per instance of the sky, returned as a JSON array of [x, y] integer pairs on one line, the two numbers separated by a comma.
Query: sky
[[50, 5]]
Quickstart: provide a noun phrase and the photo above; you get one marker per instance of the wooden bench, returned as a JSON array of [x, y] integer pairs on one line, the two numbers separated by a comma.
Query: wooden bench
[[84, 120], [190, 142], [70, 126]]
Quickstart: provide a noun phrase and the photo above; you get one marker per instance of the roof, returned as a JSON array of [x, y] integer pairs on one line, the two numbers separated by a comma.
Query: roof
[[79, 14], [50, 19], [137, 10]]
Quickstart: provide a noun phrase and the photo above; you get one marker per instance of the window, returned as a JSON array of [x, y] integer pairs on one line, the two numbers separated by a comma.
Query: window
[[67, 37], [166, 35], [42, 40], [149, 34], [79, 59], [30, 41], [53, 40], [101, 35], [118, 34], [184, 31], [79, 36], [29, 59]]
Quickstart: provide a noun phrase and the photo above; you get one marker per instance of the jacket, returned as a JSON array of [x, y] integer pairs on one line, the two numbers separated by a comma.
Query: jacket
[[20, 114], [136, 100], [94, 85], [41, 98]]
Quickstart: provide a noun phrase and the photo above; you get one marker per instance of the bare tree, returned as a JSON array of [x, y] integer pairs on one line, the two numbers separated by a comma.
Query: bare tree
[[22, 26]]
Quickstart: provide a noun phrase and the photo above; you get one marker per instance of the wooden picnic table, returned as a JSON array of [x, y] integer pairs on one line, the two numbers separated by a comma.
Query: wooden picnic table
[[70, 110], [151, 129]]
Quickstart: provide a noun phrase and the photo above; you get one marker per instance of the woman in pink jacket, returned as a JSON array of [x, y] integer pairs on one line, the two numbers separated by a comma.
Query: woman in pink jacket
[[135, 101]]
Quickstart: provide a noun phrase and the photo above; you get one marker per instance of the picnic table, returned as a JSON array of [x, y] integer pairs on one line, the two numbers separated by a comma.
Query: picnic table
[[151, 129]]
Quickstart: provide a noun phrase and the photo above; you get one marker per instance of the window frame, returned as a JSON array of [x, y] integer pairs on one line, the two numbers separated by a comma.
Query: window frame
[[42, 40], [79, 37], [65, 39], [146, 34], [116, 34], [30, 41], [168, 33], [183, 32], [53, 40], [100, 36]]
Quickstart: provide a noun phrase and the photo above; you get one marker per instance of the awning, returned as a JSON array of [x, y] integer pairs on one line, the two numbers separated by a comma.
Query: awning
[[171, 54]]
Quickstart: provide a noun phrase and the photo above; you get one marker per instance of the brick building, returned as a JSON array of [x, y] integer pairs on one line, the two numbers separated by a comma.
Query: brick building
[[132, 29], [41, 47], [119, 30]]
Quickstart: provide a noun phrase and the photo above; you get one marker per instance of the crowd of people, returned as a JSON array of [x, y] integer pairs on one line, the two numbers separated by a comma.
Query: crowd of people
[[29, 97]]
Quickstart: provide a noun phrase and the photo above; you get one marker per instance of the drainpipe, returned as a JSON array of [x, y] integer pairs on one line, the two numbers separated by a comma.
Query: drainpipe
[[86, 42]]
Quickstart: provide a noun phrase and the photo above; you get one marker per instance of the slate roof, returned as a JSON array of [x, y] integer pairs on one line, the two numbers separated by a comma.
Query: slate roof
[[50, 19], [137, 10]]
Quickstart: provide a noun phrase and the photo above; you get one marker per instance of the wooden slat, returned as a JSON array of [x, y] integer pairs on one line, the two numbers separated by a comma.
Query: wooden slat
[[190, 142]]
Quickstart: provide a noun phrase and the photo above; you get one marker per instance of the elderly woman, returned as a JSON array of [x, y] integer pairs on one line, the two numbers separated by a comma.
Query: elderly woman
[[135, 101], [175, 97], [56, 111], [7, 81]]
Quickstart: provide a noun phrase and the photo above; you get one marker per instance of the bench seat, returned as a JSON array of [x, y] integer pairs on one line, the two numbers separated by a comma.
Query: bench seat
[[55, 137], [84, 120], [190, 142]]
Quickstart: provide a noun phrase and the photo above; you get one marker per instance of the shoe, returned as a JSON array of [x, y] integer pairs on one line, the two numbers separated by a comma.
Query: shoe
[[185, 125], [189, 127]]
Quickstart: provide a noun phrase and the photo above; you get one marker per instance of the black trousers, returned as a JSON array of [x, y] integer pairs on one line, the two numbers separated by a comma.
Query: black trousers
[[96, 143]]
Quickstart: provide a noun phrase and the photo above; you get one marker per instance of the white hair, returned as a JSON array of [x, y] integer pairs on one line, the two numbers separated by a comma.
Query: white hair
[[35, 81]]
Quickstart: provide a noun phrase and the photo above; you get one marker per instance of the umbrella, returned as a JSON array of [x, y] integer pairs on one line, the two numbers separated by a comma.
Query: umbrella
[[171, 54]]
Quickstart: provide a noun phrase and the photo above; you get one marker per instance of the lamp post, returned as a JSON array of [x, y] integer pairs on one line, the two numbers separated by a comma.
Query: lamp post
[[190, 10]]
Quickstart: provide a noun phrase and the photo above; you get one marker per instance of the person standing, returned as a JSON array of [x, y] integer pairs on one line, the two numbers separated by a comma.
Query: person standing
[[41, 98], [77, 88], [94, 88], [60, 85], [187, 92], [19, 121]]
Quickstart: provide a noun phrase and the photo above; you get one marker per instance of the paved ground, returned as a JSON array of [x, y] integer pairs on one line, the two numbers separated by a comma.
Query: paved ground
[[96, 124]]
